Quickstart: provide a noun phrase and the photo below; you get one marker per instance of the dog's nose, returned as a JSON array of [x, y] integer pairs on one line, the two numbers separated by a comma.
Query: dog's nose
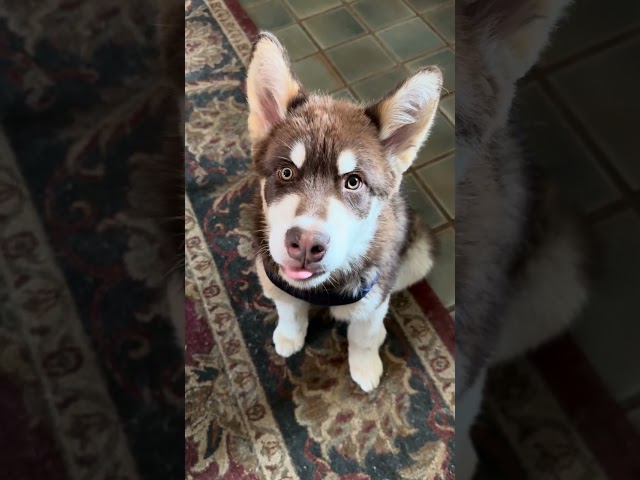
[[304, 246]]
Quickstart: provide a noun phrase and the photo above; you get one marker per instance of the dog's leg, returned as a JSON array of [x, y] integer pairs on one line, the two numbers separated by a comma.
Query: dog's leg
[[293, 316], [293, 320], [552, 286], [366, 333], [417, 261], [175, 299], [550, 298]]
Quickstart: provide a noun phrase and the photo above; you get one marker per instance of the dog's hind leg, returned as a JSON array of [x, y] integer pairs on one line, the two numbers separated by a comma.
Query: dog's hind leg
[[552, 286], [417, 260]]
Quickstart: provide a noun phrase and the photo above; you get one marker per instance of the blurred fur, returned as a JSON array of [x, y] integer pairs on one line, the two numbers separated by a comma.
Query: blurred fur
[[163, 194], [171, 38], [522, 259]]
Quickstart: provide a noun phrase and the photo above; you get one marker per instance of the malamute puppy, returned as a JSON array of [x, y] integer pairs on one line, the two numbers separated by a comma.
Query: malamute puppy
[[332, 224]]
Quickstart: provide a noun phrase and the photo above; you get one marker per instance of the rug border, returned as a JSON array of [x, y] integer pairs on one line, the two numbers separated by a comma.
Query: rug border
[[436, 313], [618, 458], [218, 309], [243, 19], [54, 336]]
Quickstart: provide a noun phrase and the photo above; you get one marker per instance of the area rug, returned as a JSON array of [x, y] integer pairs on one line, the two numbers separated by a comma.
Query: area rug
[[250, 413], [91, 379]]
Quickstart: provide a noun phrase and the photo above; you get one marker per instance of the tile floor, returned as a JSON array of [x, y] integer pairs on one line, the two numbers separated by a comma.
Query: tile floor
[[360, 49], [571, 115]]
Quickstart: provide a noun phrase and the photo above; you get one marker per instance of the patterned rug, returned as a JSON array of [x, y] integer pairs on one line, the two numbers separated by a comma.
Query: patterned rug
[[249, 413], [91, 380]]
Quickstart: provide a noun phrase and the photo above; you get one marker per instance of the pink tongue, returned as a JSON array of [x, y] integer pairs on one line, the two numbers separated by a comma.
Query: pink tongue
[[297, 274]]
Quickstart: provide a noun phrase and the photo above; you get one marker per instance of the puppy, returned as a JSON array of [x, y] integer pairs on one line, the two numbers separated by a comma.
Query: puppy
[[522, 261], [332, 223]]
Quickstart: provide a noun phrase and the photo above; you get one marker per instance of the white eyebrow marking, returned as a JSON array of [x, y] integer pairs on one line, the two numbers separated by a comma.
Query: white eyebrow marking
[[346, 162], [298, 154]]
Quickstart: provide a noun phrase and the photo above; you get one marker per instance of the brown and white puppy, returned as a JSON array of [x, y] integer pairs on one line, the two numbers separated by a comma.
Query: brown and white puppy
[[330, 215], [521, 260]]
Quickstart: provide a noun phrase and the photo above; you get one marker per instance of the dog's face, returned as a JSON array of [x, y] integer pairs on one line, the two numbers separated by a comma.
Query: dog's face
[[327, 168]]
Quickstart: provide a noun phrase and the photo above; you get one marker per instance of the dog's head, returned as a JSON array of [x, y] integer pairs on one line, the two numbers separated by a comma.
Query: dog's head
[[327, 168]]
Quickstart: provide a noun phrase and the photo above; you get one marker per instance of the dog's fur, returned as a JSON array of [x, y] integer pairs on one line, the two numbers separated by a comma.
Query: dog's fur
[[521, 262], [372, 231], [163, 193], [171, 39]]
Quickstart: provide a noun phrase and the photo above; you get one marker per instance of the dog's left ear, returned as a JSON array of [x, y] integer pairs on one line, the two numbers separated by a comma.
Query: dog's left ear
[[271, 86], [404, 118]]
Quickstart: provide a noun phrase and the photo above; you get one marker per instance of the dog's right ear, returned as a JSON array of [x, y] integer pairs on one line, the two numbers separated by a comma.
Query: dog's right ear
[[404, 117], [271, 86], [514, 33]]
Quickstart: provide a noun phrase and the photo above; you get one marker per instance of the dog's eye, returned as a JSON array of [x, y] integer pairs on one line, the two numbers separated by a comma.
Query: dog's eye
[[285, 174], [353, 182]]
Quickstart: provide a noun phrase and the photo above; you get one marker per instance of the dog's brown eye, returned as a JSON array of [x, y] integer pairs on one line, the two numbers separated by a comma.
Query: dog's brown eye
[[285, 174], [353, 182]]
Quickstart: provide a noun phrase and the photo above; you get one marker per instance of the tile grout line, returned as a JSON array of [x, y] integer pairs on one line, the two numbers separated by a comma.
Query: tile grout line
[[399, 63], [320, 51], [541, 71], [434, 199], [442, 49], [349, 85], [422, 16], [607, 211], [583, 134], [436, 159], [372, 33], [441, 228]]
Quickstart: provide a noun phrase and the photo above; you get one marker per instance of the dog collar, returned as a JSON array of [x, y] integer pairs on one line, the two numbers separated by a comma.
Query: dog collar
[[322, 299]]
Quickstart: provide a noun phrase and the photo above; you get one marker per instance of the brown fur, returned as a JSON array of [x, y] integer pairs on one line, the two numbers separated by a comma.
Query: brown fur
[[161, 198], [165, 175]]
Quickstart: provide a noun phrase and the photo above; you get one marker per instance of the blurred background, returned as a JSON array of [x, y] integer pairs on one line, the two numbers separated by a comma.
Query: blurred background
[[572, 409], [580, 122], [91, 377]]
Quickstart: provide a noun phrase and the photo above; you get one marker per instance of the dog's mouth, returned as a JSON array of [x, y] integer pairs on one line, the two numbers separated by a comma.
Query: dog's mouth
[[300, 274]]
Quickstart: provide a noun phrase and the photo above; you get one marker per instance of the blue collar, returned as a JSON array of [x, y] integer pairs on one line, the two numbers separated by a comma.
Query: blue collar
[[323, 299]]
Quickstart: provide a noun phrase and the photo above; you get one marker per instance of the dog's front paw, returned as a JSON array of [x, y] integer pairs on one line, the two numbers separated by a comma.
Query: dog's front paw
[[286, 345], [366, 368]]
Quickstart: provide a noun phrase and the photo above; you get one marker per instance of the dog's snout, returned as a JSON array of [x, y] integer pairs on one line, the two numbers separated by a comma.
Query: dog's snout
[[306, 246]]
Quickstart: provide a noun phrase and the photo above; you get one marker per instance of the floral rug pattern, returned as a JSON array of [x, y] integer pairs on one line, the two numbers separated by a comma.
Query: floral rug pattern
[[91, 378]]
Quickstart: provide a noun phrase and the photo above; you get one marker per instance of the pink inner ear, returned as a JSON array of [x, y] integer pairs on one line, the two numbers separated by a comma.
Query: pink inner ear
[[400, 139], [269, 108]]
